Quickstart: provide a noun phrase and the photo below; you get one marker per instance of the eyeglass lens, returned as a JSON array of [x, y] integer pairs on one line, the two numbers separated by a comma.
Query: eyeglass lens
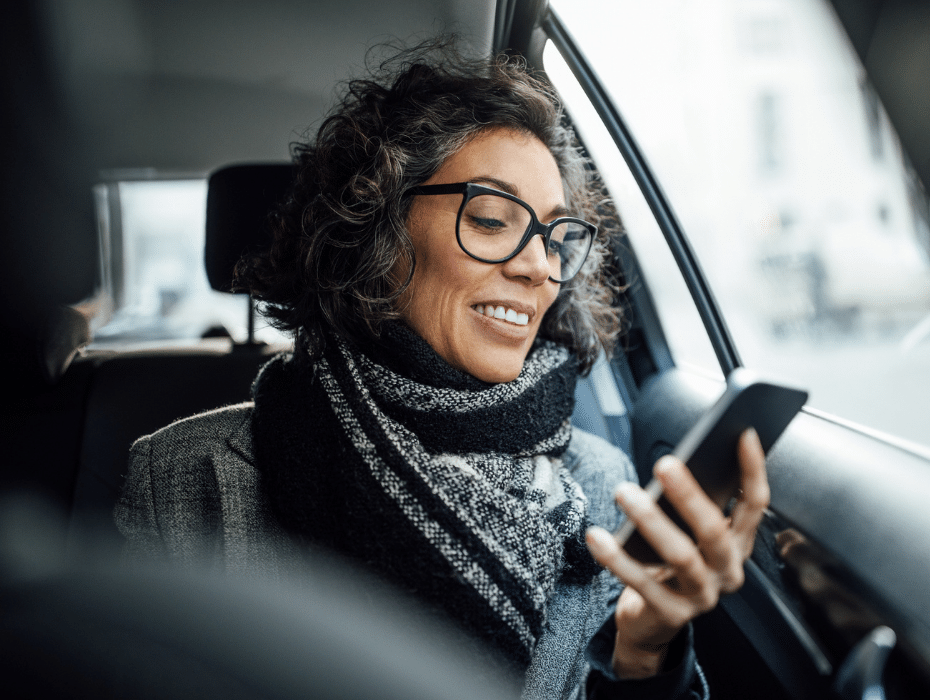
[[491, 228]]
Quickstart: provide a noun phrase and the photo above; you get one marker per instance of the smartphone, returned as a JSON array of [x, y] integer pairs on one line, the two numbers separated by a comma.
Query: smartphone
[[709, 448]]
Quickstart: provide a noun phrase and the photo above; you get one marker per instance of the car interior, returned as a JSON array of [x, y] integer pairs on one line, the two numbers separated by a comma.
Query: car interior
[[107, 90]]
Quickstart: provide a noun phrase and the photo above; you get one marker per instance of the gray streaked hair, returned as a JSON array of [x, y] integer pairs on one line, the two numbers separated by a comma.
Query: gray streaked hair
[[341, 236]]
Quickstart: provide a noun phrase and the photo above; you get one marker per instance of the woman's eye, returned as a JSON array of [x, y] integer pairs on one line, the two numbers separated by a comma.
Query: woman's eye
[[555, 248], [491, 225]]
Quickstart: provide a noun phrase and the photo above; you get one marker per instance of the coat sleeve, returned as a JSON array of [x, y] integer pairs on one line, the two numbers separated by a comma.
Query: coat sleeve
[[681, 679], [600, 467]]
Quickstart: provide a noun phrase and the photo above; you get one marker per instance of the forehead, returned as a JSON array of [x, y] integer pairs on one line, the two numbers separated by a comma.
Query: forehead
[[516, 158]]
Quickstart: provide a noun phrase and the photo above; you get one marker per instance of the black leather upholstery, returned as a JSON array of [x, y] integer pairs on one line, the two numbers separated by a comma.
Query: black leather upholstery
[[239, 199]]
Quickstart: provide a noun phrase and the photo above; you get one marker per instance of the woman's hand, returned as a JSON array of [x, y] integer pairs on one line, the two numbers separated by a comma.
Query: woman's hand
[[659, 601]]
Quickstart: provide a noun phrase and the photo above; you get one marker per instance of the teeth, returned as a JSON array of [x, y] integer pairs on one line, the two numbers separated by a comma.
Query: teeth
[[503, 313]]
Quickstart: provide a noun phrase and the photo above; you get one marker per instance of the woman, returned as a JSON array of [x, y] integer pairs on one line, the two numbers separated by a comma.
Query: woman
[[441, 262]]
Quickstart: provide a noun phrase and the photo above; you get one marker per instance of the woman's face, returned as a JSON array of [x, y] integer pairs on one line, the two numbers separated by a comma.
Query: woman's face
[[448, 298]]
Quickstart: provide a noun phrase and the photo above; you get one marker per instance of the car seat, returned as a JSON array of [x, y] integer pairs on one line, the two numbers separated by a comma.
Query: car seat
[[127, 395], [72, 438]]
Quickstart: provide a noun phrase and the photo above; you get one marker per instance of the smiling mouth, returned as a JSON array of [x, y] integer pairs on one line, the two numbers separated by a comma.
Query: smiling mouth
[[502, 313]]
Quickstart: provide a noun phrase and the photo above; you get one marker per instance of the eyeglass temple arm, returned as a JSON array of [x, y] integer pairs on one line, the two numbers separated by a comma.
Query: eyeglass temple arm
[[456, 188]]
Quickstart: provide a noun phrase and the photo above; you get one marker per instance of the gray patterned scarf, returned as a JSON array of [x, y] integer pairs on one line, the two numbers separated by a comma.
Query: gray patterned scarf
[[451, 488]]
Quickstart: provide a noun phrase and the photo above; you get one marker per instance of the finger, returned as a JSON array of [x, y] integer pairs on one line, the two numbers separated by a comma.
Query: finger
[[668, 540], [755, 487], [710, 527], [674, 609], [790, 542]]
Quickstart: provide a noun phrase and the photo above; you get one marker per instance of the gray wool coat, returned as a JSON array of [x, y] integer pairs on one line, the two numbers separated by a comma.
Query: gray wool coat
[[192, 497]]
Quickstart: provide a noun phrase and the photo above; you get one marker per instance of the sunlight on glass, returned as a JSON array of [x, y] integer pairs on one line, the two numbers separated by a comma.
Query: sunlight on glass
[[684, 330], [790, 183]]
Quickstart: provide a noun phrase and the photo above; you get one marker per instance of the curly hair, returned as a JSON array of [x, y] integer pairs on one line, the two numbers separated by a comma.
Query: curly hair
[[341, 236]]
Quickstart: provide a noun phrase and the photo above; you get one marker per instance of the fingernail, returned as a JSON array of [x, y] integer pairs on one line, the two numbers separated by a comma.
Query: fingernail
[[597, 537], [629, 494], [665, 469]]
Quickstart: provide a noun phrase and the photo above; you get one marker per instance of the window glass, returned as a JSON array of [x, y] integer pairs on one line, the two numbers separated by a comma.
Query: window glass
[[152, 240], [684, 330], [790, 183]]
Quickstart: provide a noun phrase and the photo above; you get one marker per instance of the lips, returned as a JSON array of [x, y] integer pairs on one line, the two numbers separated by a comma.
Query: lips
[[503, 313]]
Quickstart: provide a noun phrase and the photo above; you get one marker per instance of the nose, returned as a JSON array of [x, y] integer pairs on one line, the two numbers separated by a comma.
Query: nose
[[530, 264]]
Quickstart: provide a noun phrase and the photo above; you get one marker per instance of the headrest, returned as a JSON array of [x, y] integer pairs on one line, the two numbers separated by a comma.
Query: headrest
[[239, 199]]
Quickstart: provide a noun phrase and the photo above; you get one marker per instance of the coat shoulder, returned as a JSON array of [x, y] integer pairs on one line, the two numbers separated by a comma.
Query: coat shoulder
[[223, 432], [175, 501], [184, 462], [598, 467], [204, 429]]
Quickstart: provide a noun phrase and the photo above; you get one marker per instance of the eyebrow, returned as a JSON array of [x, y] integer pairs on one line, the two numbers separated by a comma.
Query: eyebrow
[[504, 186]]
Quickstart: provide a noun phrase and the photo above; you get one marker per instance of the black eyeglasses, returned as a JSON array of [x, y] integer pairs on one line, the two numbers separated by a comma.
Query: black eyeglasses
[[493, 227]]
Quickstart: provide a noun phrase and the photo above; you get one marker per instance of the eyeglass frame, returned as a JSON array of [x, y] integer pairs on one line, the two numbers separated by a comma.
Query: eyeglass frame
[[535, 228]]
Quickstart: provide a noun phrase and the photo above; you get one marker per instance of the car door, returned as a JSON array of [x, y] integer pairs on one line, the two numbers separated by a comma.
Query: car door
[[836, 598]]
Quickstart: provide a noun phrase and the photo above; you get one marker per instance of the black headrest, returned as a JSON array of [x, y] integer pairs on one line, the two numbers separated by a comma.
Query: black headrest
[[239, 198]]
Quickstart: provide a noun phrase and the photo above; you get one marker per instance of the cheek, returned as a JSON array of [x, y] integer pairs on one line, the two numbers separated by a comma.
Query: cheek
[[428, 274], [442, 268], [552, 293], [432, 304], [434, 257]]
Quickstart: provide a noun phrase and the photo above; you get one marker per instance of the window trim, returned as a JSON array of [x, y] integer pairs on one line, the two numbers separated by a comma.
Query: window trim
[[683, 253]]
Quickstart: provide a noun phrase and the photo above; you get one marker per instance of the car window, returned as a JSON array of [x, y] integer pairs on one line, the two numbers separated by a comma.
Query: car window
[[789, 181], [154, 282], [682, 325]]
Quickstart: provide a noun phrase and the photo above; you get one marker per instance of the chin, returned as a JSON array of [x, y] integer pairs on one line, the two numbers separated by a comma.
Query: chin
[[497, 374]]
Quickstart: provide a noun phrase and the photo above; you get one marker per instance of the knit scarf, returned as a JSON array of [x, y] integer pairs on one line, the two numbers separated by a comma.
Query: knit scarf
[[450, 488]]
